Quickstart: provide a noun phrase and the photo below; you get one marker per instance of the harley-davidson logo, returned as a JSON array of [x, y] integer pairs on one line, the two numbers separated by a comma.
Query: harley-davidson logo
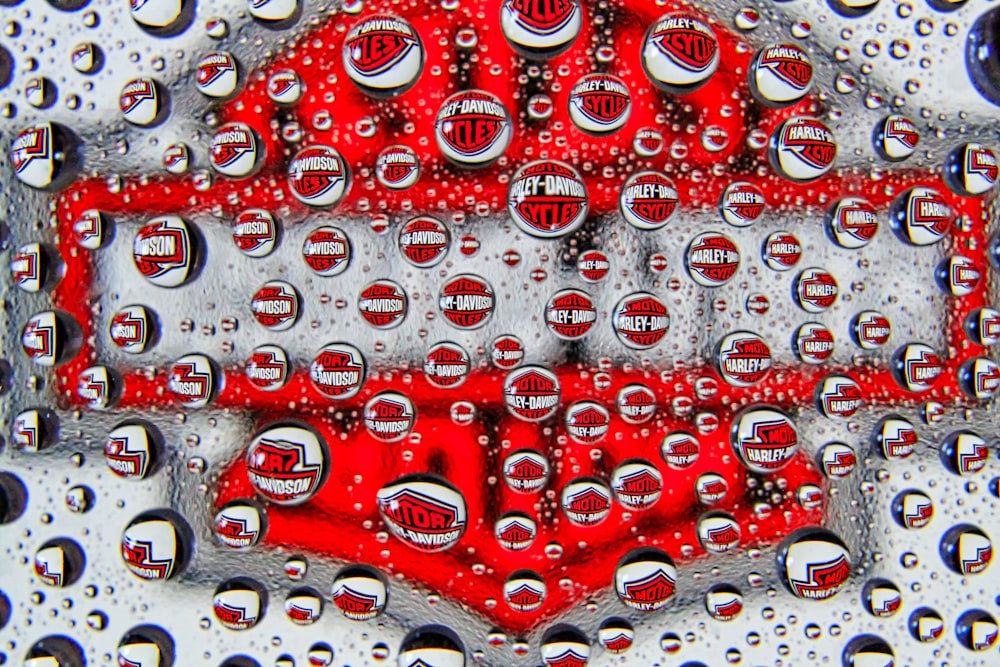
[[682, 40]]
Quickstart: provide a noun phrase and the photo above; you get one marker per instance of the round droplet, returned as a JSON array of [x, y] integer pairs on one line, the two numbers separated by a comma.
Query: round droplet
[[147, 646], [532, 393], [433, 646], [541, 31], [781, 251], [640, 320], [711, 488], [966, 549], [236, 151], [680, 449], [743, 358], [318, 176], [570, 314], [50, 338], [239, 603], [747, 18], [515, 531], [45, 156], [99, 387], [267, 368], [424, 241], [765, 439], [547, 199], [383, 304], [132, 448], [287, 463], [895, 138], [921, 216], [838, 397], [965, 452], [507, 351], [645, 579], [913, 509], [979, 378], [320, 654], [397, 167], [176, 158], [780, 75], [242, 660], [274, 13], [526, 471], [647, 142], [32, 268], [816, 290], [814, 563], [724, 602], [59, 562], [338, 371], [92, 230], [166, 251], [360, 593], [916, 367], [446, 365], [679, 53], [473, 128], [586, 501], [194, 380], [156, 545], [383, 55], [565, 645], [134, 329], [648, 200], [636, 403], [958, 275], [870, 330], [524, 590], [971, 169], [982, 326], [802, 149], [13, 498], [742, 204], [867, 650], [303, 606], [240, 524], [55, 651], [637, 484], [882, 598], [926, 625], [284, 87], [600, 104], [143, 101], [466, 301], [670, 643], [837, 459], [977, 630], [424, 511], [34, 430], [389, 416], [852, 223], [79, 499], [616, 635], [895, 437], [593, 266], [718, 532], [276, 305], [540, 107], [87, 58], [712, 259]]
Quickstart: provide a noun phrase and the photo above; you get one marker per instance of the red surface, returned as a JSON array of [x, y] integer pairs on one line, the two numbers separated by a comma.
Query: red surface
[[342, 520]]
